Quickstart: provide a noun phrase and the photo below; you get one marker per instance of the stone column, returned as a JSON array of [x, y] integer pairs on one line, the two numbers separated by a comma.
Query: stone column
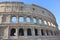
[[49, 33], [33, 32], [17, 19], [16, 32], [53, 33], [24, 19], [39, 32], [1, 18], [8, 19], [37, 21], [42, 22], [31, 20], [25, 32], [6, 32], [45, 32]]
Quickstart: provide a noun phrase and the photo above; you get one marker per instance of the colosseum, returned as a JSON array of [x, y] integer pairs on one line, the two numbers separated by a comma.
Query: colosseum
[[19, 21]]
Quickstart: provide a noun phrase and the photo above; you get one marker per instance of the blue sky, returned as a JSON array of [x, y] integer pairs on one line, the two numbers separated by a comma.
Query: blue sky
[[51, 5]]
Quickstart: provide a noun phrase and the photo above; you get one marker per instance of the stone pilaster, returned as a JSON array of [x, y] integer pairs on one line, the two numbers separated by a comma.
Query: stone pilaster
[[6, 32], [39, 32], [8, 19], [33, 32], [25, 19], [49, 33], [45, 32], [31, 20], [42, 22], [1, 18], [37, 21], [25, 32], [53, 33], [17, 33], [17, 19]]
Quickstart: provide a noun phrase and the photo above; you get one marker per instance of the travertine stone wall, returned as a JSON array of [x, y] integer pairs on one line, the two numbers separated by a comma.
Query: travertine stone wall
[[18, 9]]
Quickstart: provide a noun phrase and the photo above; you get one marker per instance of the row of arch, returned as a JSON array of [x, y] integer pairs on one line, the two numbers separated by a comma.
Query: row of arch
[[29, 32], [32, 20]]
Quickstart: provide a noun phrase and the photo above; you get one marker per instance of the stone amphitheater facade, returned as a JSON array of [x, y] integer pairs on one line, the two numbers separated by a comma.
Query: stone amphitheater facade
[[19, 21]]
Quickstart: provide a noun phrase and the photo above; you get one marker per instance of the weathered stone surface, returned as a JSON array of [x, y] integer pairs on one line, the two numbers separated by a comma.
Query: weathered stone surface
[[19, 9]]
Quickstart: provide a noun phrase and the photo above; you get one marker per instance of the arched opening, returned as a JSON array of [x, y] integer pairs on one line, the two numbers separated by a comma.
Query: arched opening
[[42, 32], [13, 31], [45, 22], [29, 32], [47, 32], [52, 24], [21, 32], [40, 21], [51, 32], [34, 20], [28, 19], [55, 33], [13, 19], [36, 32], [21, 19], [49, 23]]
